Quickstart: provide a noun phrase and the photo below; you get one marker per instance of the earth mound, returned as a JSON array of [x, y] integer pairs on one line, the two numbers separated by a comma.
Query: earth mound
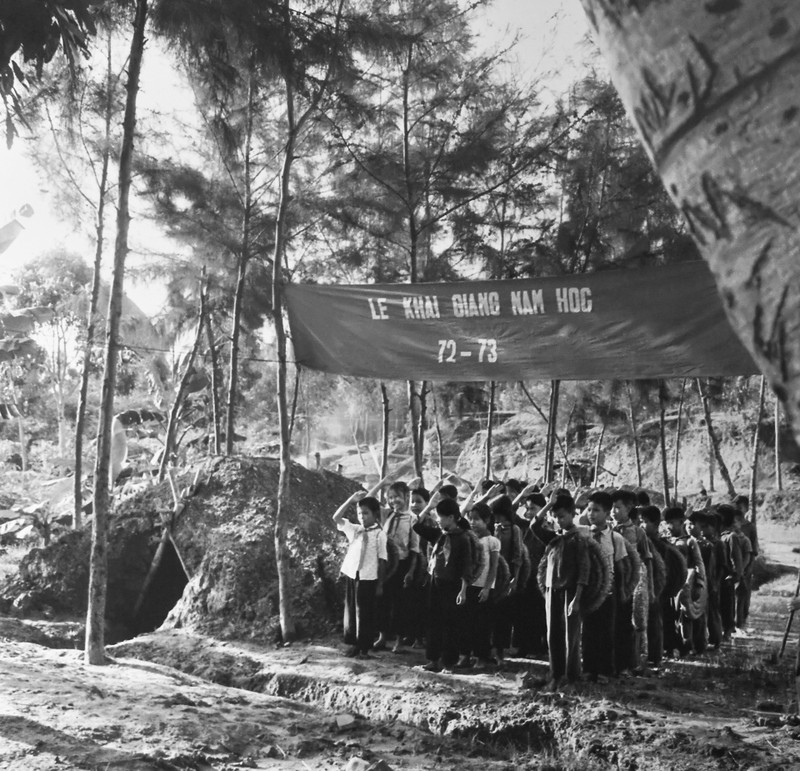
[[214, 572]]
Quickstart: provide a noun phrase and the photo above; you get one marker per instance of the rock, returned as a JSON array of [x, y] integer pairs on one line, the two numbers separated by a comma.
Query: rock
[[344, 721], [359, 764]]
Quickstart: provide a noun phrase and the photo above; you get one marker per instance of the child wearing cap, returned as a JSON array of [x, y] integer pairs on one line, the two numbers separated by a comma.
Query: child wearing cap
[[732, 570]]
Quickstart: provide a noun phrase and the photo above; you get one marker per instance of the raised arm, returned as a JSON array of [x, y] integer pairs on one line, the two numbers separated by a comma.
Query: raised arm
[[340, 512]]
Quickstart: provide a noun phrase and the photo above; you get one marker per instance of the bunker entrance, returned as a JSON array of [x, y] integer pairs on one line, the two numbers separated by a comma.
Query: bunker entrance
[[161, 590]]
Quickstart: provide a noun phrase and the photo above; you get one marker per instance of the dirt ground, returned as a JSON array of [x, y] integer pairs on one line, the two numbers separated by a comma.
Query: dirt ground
[[173, 700]]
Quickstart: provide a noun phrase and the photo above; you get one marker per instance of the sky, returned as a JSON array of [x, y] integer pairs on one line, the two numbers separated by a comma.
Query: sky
[[550, 48]]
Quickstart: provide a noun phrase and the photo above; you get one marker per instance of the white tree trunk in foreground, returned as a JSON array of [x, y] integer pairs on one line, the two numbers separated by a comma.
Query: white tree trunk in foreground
[[712, 87]]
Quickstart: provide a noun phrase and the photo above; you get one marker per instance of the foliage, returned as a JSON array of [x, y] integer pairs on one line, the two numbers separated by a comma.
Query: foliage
[[33, 31]]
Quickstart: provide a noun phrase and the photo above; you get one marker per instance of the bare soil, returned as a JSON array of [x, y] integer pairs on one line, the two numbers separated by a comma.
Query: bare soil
[[176, 699]]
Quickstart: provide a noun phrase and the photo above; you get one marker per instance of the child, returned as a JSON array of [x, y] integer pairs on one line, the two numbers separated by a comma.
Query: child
[[706, 531], [690, 631], [659, 605], [396, 610], [630, 628], [731, 554], [479, 605], [743, 589], [599, 627], [364, 568], [565, 578], [450, 568], [515, 553]]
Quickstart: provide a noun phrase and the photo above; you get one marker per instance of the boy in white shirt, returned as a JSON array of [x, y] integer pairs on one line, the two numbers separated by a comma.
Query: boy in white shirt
[[364, 568]]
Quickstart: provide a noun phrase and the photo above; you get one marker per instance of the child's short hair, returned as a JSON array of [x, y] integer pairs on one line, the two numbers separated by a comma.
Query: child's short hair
[[602, 499], [481, 510], [536, 498], [399, 487], [373, 504], [564, 503], [628, 497], [742, 500], [651, 514], [727, 513], [422, 492], [643, 498], [447, 507], [699, 517], [514, 486], [502, 506], [487, 484], [449, 491], [671, 513]]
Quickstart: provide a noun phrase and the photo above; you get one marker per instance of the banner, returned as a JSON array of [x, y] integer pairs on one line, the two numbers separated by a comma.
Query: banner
[[609, 325]]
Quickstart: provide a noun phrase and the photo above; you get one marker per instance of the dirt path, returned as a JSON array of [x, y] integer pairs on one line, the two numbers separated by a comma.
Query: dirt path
[[177, 701]]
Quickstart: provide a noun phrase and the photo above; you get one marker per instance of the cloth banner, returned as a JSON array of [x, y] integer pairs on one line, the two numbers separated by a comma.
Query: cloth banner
[[610, 325]]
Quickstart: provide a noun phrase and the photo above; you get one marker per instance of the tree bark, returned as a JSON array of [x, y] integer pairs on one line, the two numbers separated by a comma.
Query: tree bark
[[778, 473], [487, 464], [244, 259], [385, 413], [678, 438], [662, 435], [711, 90], [550, 442], [635, 433], [439, 445], [561, 446], [174, 412], [713, 441], [597, 451], [94, 652], [91, 323], [205, 313], [754, 465]]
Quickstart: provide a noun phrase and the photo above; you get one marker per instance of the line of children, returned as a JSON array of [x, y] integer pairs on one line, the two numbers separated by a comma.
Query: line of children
[[446, 586]]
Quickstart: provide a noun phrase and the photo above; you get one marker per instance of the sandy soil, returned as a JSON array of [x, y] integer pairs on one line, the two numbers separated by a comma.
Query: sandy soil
[[171, 700]]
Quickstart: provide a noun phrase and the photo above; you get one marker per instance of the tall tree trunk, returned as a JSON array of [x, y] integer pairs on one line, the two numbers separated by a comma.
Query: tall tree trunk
[[678, 438], [172, 422], [635, 433], [98, 570], [385, 413], [711, 90], [550, 442], [205, 314], [754, 465], [597, 452], [439, 445], [487, 464], [778, 474], [91, 324], [713, 440], [561, 446], [241, 273], [662, 435], [414, 412]]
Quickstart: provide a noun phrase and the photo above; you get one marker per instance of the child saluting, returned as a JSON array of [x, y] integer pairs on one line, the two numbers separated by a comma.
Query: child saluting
[[364, 568]]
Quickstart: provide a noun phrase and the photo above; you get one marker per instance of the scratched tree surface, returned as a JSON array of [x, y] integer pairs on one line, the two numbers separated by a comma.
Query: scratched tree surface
[[711, 86]]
